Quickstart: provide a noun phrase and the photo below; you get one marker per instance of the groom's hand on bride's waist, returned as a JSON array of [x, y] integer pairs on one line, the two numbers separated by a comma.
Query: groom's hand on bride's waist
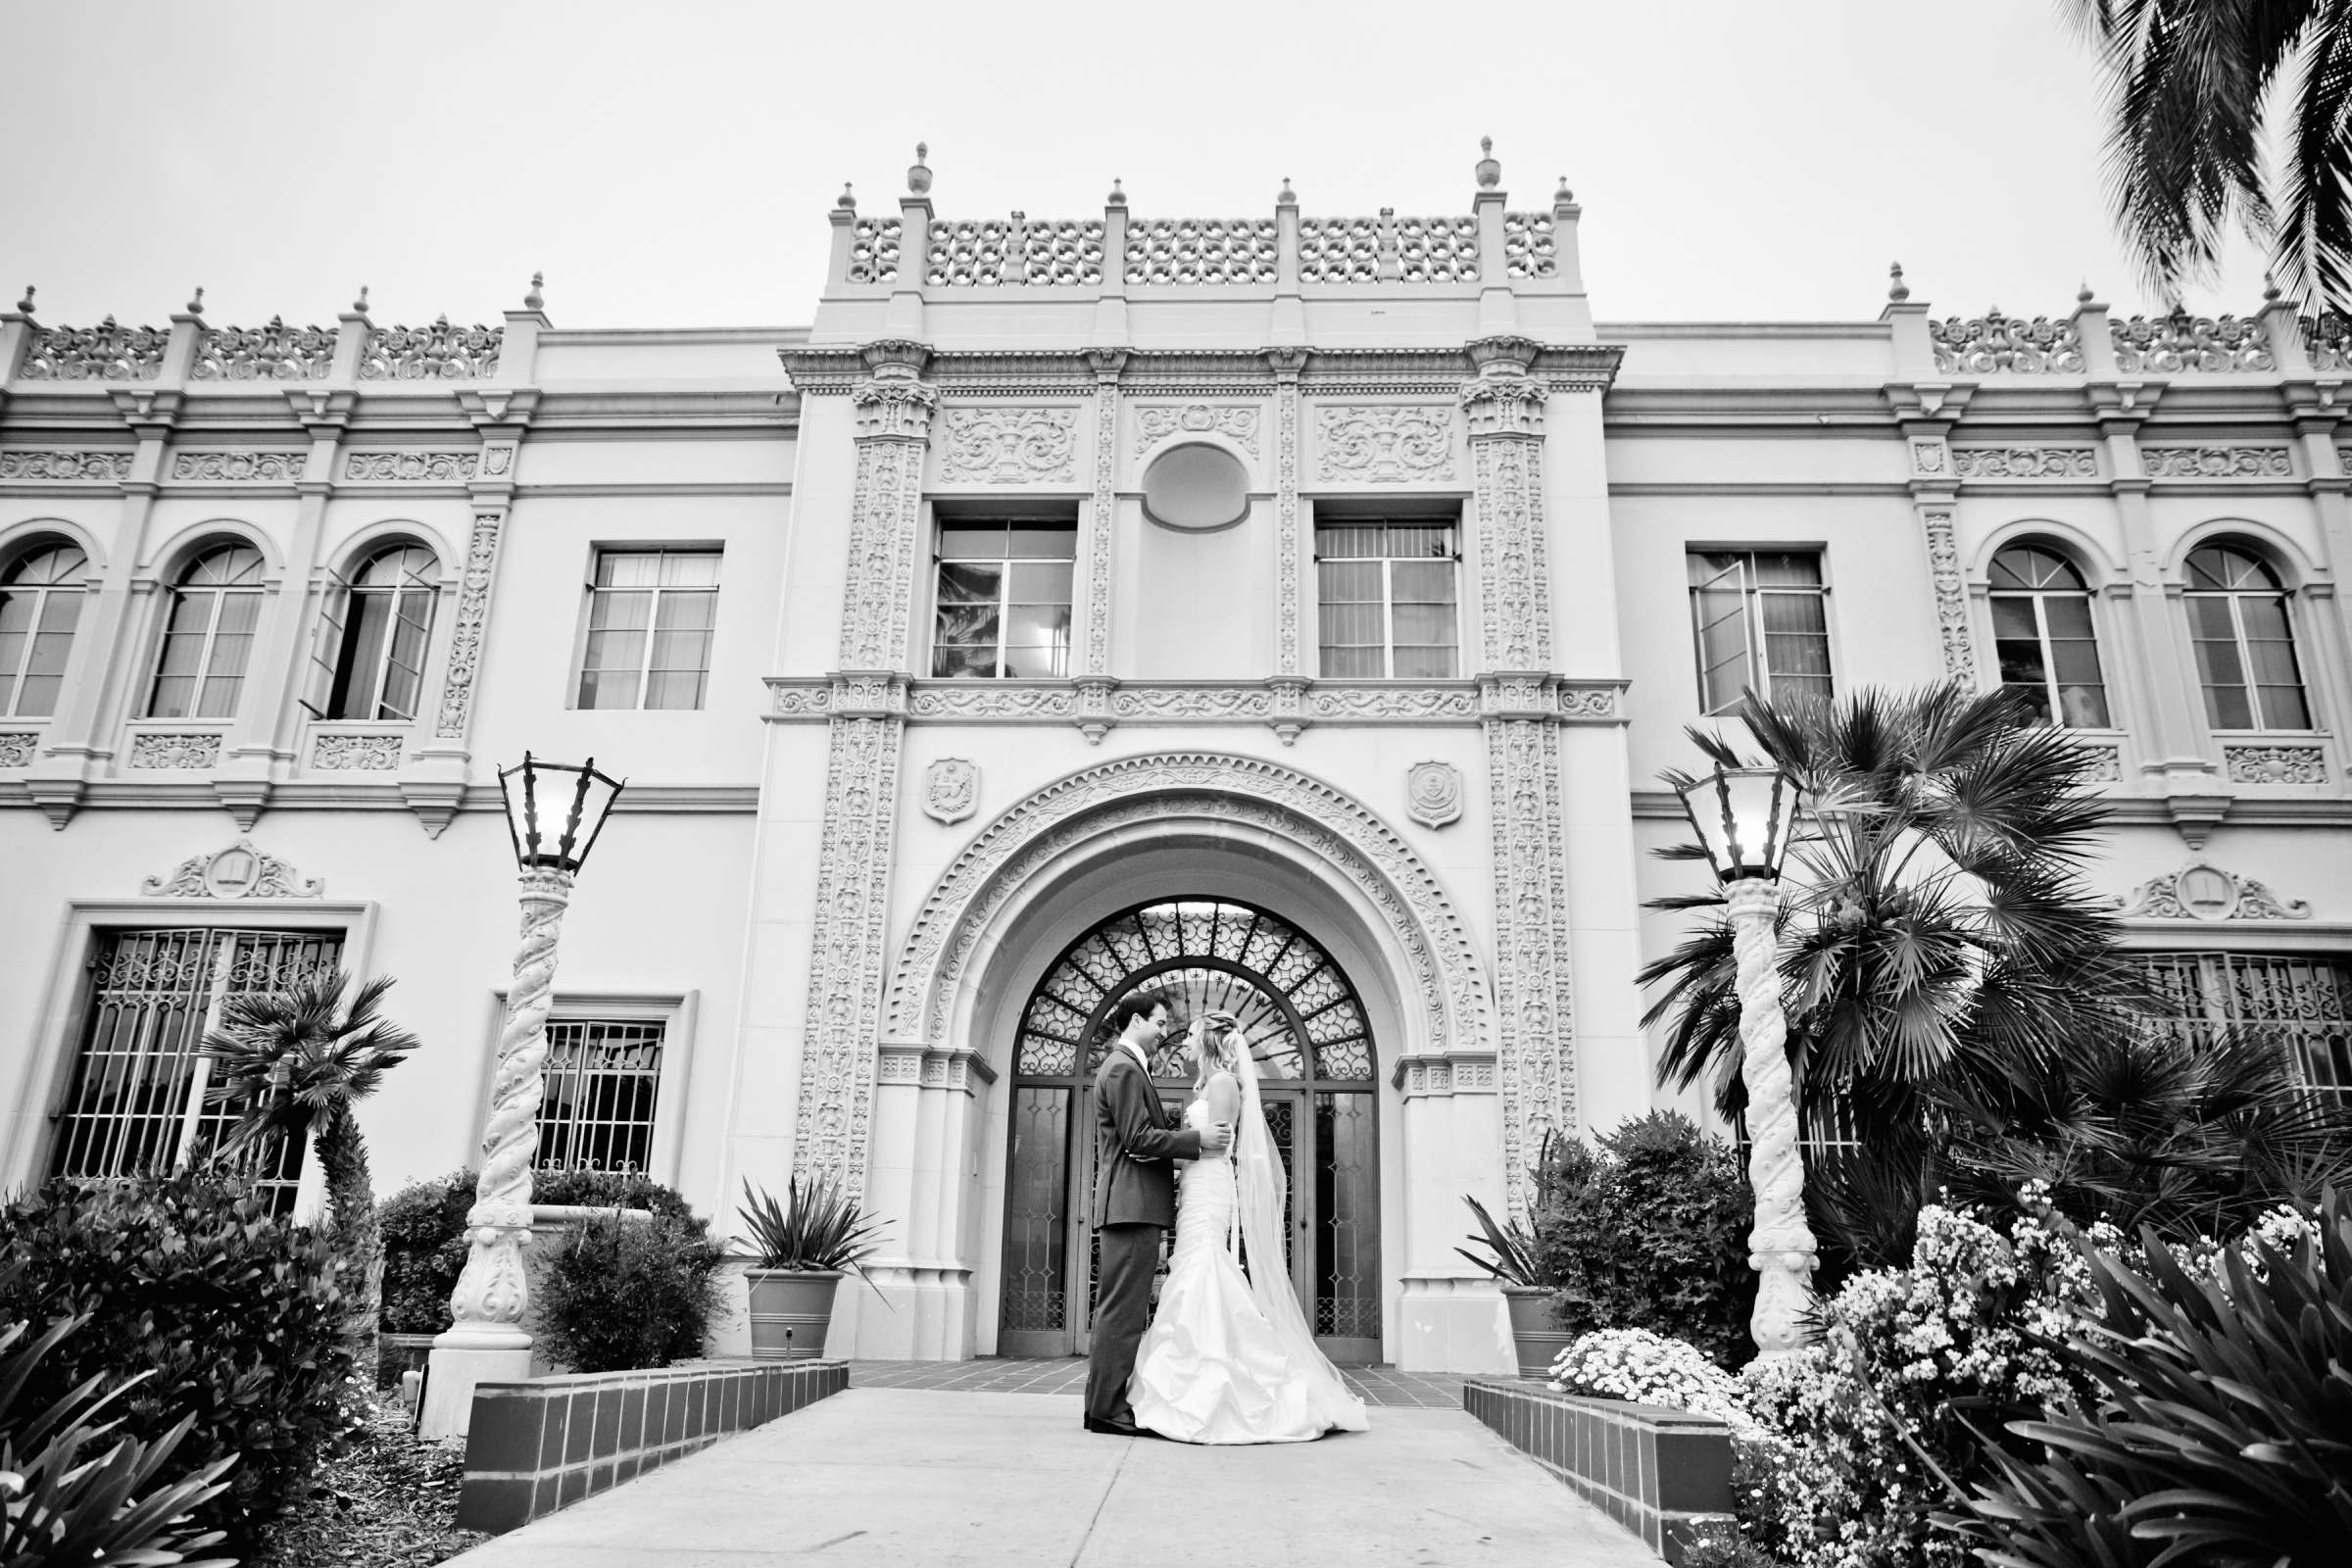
[[1217, 1138]]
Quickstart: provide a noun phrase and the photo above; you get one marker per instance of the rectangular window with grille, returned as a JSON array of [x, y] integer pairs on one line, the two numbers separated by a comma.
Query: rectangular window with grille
[[602, 1078], [1386, 599], [647, 643], [2302, 999], [138, 1096], [1760, 618], [1000, 605]]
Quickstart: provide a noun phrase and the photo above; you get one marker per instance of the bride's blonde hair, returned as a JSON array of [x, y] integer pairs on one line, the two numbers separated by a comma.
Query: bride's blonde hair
[[1220, 1039]]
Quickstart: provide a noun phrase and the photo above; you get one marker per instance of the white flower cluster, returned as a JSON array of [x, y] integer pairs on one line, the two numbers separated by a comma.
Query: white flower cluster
[[1646, 1368]]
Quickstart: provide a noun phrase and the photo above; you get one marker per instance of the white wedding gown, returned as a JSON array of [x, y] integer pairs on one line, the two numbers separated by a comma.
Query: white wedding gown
[[1212, 1368]]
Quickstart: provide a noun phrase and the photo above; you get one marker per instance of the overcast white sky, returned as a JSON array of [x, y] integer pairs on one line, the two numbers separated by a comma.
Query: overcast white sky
[[670, 163]]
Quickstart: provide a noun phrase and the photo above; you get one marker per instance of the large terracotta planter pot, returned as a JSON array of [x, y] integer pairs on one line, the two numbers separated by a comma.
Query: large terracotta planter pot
[[1538, 1342], [790, 1309]]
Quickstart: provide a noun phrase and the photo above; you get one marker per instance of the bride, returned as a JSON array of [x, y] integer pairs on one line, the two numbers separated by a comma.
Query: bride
[[1228, 1357]]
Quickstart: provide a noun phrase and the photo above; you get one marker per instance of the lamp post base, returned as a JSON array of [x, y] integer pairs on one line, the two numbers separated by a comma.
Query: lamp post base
[[451, 1373]]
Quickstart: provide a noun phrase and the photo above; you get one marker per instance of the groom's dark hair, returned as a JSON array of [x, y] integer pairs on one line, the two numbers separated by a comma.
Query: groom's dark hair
[[1136, 1006]]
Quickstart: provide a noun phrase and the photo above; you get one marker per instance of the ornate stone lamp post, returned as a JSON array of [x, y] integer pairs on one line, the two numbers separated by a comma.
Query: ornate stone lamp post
[[1742, 817], [486, 1341]]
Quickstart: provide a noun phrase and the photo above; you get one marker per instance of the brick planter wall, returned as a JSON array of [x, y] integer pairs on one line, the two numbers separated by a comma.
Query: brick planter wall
[[1654, 1471], [539, 1445]]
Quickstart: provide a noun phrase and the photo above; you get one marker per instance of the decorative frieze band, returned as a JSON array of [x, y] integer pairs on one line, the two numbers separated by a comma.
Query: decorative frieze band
[[240, 467], [1385, 443], [411, 467], [1156, 422], [161, 749], [17, 748], [73, 468], [1295, 701], [2026, 462], [345, 752], [2276, 764], [2104, 764], [1009, 446], [2218, 463]]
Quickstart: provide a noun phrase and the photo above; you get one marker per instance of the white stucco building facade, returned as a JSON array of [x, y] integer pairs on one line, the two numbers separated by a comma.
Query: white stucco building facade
[[1292, 613]]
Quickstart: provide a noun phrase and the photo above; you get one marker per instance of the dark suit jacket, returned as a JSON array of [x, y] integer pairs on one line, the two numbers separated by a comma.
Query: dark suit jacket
[[1134, 1141]]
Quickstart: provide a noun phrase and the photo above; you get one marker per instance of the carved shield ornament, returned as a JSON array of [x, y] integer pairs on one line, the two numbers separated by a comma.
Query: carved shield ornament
[[1433, 793], [951, 789]]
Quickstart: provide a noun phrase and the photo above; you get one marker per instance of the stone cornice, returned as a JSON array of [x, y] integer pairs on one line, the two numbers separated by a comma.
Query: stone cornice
[[1563, 367]]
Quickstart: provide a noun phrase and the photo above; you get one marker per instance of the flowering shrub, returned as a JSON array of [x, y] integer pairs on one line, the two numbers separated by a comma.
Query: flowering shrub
[[1644, 1368]]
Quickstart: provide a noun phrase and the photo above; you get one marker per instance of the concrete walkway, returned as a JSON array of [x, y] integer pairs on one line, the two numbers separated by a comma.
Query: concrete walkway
[[912, 1478]]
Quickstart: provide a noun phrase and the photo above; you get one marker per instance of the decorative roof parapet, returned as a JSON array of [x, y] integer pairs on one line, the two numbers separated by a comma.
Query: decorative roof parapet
[[107, 352], [273, 353], [1530, 248], [992, 253], [2328, 339], [875, 248], [436, 352], [1992, 344], [2178, 343], [1202, 250]]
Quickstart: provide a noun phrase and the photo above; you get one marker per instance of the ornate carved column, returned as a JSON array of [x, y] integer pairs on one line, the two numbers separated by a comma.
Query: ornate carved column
[[1101, 523], [1536, 1048], [894, 408]]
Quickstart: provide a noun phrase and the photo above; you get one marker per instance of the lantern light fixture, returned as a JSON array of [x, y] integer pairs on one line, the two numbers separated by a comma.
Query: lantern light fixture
[[552, 845], [1742, 817]]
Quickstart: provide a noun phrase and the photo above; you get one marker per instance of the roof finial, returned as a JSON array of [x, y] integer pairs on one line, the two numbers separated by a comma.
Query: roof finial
[[2270, 289], [1118, 196], [533, 300], [918, 177], [1489, 172], [2083, 294], [25, 303], [1563, 197], [1896, 289], [845, 201], [360, 306], [196, 302], [1289, 197]]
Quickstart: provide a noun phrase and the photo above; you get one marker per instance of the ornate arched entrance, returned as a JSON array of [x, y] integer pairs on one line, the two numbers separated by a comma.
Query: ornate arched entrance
[[1312, 1036]]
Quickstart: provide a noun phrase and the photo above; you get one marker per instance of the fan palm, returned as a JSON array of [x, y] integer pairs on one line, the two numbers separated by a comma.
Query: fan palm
[[293, 1064], [2197, 87], [1933, 913]]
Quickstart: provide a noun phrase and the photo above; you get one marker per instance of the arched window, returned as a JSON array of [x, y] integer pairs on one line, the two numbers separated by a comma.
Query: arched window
[[2043, 634], [371, 650], [40, 601], [208, 635], [2237, 617]]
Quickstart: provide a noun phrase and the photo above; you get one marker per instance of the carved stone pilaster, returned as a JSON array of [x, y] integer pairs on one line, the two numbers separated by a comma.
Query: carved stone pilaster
[[1952, 595], [1288, 549], [1102, 521], [472, 619], [1536, 1043]]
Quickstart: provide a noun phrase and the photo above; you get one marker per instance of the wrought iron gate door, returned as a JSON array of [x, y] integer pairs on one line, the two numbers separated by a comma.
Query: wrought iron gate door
[[1308, 1030]]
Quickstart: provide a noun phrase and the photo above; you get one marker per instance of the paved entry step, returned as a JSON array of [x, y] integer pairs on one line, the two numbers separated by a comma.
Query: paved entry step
[[903, 1477]]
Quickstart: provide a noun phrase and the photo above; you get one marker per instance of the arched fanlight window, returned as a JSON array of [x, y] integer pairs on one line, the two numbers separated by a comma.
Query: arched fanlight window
[[368, 657], [40, 603], [2245, 641], [207, 635], [2042, 635]]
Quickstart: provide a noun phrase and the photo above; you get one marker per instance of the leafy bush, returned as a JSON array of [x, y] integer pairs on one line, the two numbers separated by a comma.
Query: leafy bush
[[424, 1233], [235, 1315], [1641, 1368], [425, 1251], [2220, 1427], [1650, 1231], [622, 1293], [72, 1496]]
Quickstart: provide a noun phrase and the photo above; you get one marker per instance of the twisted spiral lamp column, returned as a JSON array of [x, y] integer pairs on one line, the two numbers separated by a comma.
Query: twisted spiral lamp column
[[1779, 1249]]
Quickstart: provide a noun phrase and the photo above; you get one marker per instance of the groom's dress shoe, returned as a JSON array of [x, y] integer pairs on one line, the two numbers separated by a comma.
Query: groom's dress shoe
[[1117, 1429]]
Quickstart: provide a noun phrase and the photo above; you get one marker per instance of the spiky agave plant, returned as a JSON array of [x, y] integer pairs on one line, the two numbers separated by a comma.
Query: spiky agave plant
[[817, 1226], [293, 1064]]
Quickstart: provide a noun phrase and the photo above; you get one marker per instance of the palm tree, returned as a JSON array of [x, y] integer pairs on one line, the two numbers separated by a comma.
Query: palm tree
[[1933, 917], [2197, 88], [293, 1064]]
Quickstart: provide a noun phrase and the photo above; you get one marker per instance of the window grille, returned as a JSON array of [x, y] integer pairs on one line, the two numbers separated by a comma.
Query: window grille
[[207, 635], [40, 603], [650, 619], [2043, 638], [1002, 601], [1385, 597], [603, 1077], [138, 1095], [2304, 1000], [1759, 619]]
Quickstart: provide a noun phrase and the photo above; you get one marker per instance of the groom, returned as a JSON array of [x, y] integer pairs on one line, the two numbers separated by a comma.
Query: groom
[[1135, 1200]]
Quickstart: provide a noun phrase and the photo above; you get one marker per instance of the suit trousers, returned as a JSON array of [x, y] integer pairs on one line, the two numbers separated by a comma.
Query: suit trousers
[[1122, 1309]]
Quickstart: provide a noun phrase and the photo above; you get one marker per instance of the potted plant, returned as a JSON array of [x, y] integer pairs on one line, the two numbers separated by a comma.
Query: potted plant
[[1511, 1261], [803, 1246]]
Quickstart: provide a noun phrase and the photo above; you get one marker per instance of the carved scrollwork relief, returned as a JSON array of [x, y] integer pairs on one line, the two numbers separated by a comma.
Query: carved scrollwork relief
[[1009, 446], [82, 467], [107, 352], [951, 790], [1533, 994], [2276, 764], [1156, 422], [157, 749], [273, 353], [436, 352], [1433, 793], [2202, 892], [2170, 345], [411, 467], [17, 748], [1385, 442], [1994, 344], [338, 751], [239, 871], [2026, 462], [472, 619], [2103, 765], [1951, 596], [2217, 462], [240, 467]]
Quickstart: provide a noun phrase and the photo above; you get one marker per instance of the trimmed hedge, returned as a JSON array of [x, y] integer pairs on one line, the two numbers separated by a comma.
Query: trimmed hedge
[[621, 1295], [236, 1314]]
